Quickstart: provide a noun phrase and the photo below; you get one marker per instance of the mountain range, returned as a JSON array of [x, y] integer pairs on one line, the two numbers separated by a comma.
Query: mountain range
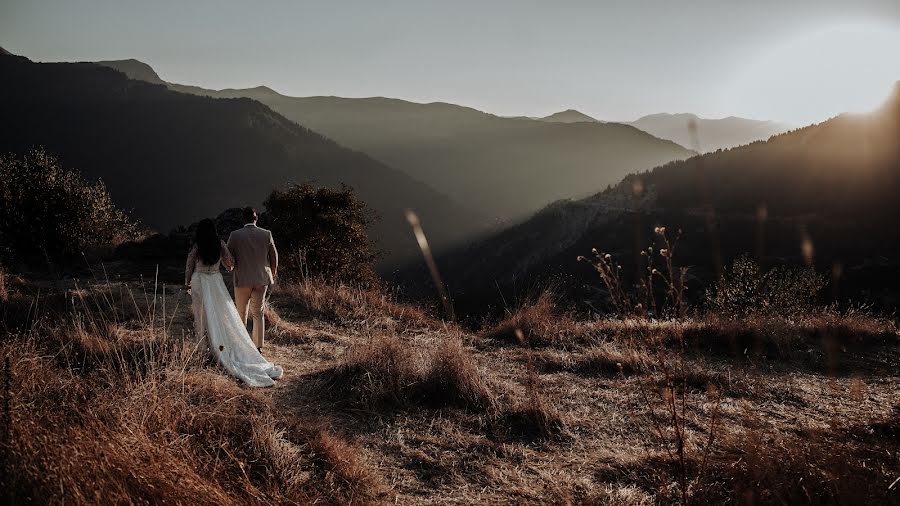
[[711, 134], [502, 168], [825, 194], [172, 158]]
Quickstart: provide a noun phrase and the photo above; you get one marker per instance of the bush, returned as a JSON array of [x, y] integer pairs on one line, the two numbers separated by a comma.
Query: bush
[[50, 216], [321, 232], [782, 291]]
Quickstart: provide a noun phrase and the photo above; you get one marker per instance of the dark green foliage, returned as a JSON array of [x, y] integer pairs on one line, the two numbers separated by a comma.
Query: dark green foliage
[[51, 216], [321, 232], [780, 291]]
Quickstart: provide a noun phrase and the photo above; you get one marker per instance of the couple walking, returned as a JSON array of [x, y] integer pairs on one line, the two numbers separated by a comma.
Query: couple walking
[[250, 253]]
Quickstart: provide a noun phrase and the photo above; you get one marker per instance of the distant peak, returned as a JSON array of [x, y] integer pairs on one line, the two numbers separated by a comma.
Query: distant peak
[[134, 69], [568, 116], [264, 89]]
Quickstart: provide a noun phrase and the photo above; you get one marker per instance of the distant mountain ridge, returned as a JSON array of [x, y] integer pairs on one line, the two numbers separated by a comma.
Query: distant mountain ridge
[[832, 185], [504, 168], [569, 116], [712, 134], [174, 158]]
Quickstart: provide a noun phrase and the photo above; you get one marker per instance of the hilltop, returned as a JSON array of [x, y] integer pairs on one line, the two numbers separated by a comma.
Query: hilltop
[[568, 116]]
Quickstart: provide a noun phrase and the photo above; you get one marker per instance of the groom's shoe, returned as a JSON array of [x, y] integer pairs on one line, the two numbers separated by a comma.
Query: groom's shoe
[[259, 350]]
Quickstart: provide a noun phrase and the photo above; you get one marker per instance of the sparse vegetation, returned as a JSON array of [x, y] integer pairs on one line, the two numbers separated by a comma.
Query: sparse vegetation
[[50, 216]]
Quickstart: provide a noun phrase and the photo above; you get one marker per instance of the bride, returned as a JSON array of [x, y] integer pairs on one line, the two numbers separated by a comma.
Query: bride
[[216, 315]]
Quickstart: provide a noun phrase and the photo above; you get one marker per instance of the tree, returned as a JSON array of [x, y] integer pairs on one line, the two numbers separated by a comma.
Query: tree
[[321, 232], [50, 216]]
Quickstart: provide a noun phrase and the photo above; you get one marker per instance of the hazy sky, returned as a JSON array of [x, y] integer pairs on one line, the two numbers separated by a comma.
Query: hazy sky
[[797, 61]]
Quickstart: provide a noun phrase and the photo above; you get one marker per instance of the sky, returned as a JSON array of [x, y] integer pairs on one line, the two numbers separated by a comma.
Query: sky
[[796, 61]]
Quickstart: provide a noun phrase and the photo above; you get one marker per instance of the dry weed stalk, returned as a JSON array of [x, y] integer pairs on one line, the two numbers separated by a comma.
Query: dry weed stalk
[[643, 302], [668, 413]]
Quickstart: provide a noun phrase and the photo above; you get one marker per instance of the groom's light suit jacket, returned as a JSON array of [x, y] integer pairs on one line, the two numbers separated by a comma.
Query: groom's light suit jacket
[[255, 256]]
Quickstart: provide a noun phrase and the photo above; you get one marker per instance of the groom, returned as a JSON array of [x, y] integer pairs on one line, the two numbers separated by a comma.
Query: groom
[[255, 268]]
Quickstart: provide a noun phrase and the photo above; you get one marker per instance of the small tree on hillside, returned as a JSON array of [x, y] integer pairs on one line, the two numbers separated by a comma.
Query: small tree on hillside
[[51, 216], [321, 232]]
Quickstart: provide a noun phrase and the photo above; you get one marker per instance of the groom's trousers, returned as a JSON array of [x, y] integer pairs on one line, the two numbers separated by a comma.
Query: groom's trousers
[[250, 299]]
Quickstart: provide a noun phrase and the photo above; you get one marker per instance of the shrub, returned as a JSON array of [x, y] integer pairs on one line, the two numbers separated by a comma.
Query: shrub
[[321, 232], [50, 215], [783, 291]]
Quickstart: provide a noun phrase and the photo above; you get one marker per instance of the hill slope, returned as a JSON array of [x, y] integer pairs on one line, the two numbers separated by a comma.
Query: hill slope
[[832, 186], [712, 134], [504, 168], [174, 157]]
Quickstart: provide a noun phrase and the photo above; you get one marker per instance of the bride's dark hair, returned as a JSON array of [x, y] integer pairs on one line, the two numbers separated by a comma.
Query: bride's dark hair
[[207, 240]]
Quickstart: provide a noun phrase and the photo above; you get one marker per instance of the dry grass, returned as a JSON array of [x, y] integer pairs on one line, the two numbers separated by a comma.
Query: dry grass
[[534, 417], [98, 412], [452, 378], [541, 323], [350, 306], [842, 465], [342, 475], [605, 359], [379, 374], [410, 413], [388, 372]]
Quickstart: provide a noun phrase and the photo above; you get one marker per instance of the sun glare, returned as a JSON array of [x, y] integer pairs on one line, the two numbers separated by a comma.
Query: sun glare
[[819, 74]]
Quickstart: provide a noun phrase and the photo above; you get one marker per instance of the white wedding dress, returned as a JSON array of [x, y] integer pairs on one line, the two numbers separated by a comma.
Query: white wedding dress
[[216, 316]]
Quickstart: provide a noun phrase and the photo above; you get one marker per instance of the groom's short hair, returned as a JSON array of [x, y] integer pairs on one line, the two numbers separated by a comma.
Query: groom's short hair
[[249, 215]]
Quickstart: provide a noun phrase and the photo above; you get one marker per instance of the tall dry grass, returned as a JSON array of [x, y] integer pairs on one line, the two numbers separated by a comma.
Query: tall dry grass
[[101, 408], [388, 372], [350, 306]]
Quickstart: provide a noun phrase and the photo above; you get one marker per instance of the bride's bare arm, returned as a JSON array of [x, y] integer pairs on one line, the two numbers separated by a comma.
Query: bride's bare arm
[[227, 258], [190, 265]]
